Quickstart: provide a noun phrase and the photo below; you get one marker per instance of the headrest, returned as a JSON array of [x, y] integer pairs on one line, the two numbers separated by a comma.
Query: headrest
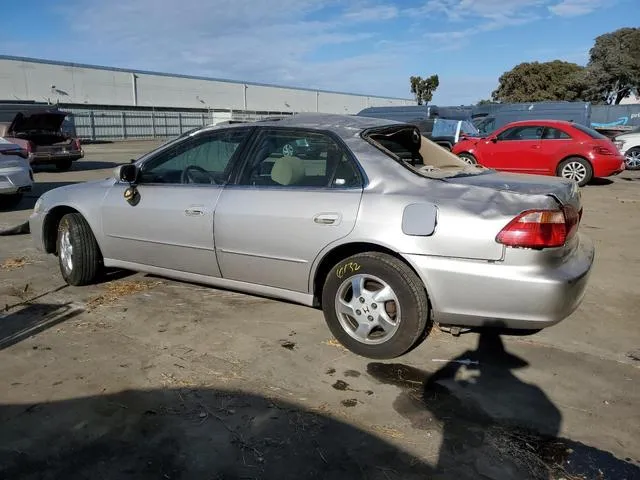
[[288, 170]]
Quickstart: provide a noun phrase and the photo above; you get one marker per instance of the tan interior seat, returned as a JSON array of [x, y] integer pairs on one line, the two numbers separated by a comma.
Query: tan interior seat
[[288, 170]]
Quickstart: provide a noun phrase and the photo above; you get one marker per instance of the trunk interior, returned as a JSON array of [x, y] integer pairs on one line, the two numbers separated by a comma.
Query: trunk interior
[[42, 140]]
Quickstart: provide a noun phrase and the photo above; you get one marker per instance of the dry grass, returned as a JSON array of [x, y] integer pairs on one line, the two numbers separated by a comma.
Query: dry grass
[[542, 459], [116, 290], [334, 343], [14, 263]]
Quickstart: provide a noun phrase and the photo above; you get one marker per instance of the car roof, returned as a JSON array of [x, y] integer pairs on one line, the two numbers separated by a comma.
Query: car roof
[[543, 123], [343, 125]]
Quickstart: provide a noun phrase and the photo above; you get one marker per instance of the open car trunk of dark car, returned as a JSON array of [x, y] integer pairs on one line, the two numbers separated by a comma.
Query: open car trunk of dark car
[[47, 142]]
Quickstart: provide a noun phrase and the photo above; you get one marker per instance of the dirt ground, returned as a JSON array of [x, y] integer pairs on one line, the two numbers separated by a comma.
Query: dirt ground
[[144, 377]]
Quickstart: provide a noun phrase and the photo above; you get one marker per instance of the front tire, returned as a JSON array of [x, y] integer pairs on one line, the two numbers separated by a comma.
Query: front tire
[[79, 256], [468, 158], [577, 169], [375, 305]]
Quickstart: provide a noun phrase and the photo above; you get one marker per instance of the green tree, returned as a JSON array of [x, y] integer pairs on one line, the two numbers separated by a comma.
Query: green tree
[[613, 71], [423, 88], [541, 81], [486, 101]]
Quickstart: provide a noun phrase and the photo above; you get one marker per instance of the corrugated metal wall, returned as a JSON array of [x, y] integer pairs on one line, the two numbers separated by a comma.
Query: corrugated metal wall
[[92, 124]]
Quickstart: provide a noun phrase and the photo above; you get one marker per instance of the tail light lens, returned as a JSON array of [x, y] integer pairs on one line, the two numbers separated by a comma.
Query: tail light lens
[[598, 150], [541, 228], [76, 144]]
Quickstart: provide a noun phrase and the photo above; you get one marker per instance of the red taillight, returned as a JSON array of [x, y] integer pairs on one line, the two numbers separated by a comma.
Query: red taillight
[[540, 228], [76, 144], [29, 147], [598, 150]]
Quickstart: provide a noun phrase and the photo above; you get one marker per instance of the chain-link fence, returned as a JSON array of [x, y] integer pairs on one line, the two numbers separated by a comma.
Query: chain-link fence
[[110, 124]]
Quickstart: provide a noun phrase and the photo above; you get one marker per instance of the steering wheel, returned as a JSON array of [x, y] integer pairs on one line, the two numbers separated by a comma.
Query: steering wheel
[[187, 178]]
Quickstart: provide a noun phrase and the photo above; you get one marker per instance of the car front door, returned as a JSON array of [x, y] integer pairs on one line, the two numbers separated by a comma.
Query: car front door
[[516, 149], [171, 226], [281, 211]]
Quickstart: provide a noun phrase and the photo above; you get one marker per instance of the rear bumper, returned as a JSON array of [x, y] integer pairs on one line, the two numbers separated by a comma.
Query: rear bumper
[[475, 294], [44, 157], [608, 167]]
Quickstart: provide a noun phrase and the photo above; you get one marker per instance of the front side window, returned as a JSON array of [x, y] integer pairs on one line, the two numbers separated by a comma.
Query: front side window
[[203, 159], [521, 133], [291, 158]]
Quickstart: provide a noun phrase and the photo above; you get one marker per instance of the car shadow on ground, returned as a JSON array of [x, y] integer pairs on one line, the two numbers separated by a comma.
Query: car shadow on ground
[[197, 433], [493, 425], [599, 181]]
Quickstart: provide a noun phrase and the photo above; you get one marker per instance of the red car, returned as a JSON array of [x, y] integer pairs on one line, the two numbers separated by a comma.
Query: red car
[[545, 147]]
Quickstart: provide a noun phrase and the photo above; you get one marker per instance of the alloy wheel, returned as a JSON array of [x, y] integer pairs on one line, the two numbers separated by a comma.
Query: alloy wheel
[[574, 171], [368, 309]]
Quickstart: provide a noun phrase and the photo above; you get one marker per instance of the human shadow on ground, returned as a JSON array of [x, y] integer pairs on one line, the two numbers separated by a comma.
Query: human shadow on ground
[[191, 433], [30, 319], [493, 425]]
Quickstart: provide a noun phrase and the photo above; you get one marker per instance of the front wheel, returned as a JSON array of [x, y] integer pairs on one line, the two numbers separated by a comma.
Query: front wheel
[[468, 158], [375, 305], [577, 169], [78, 253]]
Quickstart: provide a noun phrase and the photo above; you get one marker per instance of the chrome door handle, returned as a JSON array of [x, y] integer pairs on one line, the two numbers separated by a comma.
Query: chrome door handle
[[193, 212], [326, 218]]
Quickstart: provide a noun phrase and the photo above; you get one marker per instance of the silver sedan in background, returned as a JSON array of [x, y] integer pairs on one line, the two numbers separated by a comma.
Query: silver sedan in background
[[382, 229], [16, 176]]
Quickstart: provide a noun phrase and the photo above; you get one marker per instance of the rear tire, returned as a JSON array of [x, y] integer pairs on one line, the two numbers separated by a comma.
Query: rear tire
[[79, 256], [388, 317], [467, 157], [64, 165], [577, 169]]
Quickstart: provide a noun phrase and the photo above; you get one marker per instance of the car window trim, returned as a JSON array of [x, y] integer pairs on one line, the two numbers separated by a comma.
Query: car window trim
[[251, 150], [233, 161]]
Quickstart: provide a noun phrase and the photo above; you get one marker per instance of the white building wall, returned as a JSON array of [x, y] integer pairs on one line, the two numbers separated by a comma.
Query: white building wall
[[27, 79]]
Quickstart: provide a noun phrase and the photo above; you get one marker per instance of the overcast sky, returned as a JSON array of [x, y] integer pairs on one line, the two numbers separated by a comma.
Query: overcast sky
[[358, 46]]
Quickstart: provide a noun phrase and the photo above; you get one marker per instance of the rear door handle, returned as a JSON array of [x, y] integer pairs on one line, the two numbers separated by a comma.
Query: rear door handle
[[327, 218], [194, 212]]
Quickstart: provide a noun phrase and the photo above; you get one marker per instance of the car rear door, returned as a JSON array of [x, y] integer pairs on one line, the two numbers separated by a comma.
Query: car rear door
[[282, 211], [171, 226], [516, 149]]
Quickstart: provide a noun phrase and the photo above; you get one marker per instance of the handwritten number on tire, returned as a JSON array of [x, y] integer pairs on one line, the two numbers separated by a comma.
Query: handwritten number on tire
[[347, 268]]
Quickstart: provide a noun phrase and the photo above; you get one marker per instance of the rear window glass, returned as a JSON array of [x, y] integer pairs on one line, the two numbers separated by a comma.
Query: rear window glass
[[589, 131]]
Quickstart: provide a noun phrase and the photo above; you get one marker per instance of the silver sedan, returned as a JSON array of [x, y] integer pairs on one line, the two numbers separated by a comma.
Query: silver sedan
[[382, 229], [16, 176]]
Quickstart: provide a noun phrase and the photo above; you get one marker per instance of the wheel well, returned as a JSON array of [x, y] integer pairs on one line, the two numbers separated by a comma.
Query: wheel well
[[573, 156], [340, 253], [50, 226]]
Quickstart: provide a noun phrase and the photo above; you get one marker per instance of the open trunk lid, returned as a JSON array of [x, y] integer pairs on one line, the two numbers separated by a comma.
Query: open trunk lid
[[37, 122], [564, 191]]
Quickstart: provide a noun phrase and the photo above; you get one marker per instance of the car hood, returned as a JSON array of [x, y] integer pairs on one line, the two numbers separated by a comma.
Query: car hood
[[44, 121], [565, 191]]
